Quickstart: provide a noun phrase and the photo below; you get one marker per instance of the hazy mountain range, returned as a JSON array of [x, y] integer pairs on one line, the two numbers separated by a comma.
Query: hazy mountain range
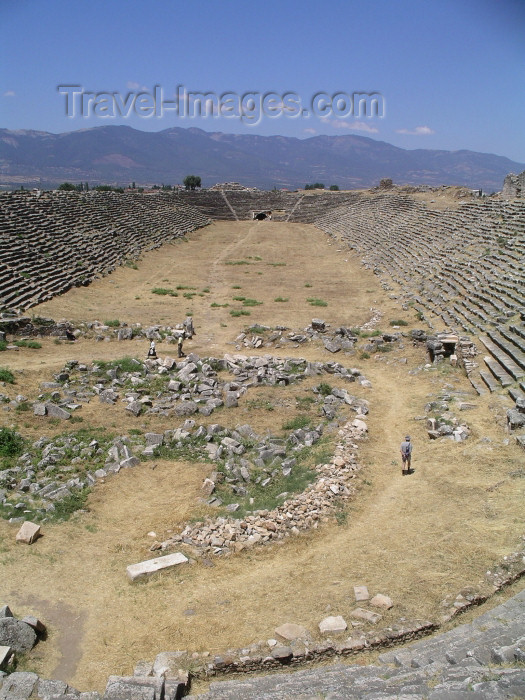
[[121, 155]]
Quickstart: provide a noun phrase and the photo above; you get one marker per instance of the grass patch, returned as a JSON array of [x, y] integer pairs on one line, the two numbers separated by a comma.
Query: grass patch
[[239, 312], [3, 345], [251, 302], [6, 375], [33, 344], [279, 264], [65, 508], [254, 404], [297, 422], [125, 364], [283, 299], [218, 306], [183, 286], [115, 323], [239, 298], [237, 262], [313, 301], [236, 286], [164, 291], [398, 322]]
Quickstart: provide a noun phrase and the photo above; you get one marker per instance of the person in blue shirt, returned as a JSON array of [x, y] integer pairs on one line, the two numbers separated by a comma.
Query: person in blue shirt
[[406, 454]]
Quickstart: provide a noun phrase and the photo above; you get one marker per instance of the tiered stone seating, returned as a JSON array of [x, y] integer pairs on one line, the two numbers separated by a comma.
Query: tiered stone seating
[[230, 205], [463, 265], [61, 239]]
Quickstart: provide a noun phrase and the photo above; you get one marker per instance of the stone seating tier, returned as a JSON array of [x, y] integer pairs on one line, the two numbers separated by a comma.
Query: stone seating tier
[[51, 243]]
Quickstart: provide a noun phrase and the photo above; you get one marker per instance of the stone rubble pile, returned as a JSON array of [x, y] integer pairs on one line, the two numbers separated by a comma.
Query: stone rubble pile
[[51, 470], [443, 423], [334, 483], [17, 636]]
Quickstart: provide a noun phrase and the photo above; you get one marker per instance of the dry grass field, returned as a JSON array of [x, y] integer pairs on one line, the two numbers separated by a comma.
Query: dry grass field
[[415, 538]]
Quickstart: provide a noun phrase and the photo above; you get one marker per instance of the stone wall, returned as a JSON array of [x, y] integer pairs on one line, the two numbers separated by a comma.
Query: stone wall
[[514, 185], [57, 240]]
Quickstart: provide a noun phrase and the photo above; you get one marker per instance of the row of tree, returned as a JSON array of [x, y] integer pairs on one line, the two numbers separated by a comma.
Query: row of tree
[[191, 182], [320, 186]]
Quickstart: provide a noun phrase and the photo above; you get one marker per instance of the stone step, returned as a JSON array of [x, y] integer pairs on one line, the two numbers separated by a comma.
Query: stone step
[[489, 381], [497, 370], [506, 362]]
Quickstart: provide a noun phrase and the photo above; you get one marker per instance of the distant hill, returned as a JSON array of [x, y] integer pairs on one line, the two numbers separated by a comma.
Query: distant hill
[[121, 155]]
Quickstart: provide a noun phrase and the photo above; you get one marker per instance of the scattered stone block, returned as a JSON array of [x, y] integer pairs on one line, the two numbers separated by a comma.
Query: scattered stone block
[[5, 655], [54, 411], [35, 623], [168, 664], [133, 688], [18, 685], [151, 566], [28, 533], [382, 601], [361, 593], [130, 462], [290, 631], [16, 634], [5, 611], [282, 653], [334, 624], [362, 614]]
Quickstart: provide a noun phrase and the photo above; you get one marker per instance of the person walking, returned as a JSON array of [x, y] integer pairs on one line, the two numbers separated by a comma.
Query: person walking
[[406, 454], [152, 352], [180, 340]]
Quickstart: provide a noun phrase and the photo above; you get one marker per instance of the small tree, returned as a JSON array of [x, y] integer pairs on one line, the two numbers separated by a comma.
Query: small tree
[[191, 182], [68, 187], [334, 188]]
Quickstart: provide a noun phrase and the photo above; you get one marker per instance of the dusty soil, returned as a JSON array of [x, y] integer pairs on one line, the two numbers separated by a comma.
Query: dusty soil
[[416, 538]]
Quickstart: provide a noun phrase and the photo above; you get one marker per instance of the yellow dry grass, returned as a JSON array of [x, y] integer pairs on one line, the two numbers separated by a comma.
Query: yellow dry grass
[[416, 538]]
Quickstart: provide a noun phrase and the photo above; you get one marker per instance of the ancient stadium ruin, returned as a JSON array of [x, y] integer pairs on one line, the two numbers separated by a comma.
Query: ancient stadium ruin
[[268, 457]]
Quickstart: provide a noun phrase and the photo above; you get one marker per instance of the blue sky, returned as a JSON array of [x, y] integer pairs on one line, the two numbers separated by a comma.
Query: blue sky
[[449, 73]]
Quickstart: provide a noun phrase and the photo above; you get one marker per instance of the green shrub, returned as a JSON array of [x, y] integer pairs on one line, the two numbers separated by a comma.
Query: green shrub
[[316, 302], [324, 389], [239, 298], [11, 443], [399, 322], [6, 375], [282, 299], [3, 345], [239, 312], [115, 323], [251, 302]]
